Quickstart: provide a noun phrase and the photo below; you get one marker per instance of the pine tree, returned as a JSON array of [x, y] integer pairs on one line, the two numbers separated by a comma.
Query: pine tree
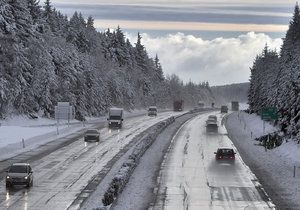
[[35, 10]]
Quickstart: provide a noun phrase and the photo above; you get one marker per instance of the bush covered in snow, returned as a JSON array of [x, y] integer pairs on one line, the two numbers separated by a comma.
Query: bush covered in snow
[[120, 180], [271, 141]]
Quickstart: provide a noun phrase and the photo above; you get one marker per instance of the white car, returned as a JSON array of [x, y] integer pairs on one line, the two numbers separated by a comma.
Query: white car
[[19, 174]]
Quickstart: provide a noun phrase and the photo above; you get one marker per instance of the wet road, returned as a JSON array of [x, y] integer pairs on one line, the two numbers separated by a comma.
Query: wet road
[[191, 178], [61, 175]]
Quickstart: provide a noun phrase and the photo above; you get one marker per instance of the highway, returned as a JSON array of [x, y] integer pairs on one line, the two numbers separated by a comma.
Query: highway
[[191, 178], [62, 174]]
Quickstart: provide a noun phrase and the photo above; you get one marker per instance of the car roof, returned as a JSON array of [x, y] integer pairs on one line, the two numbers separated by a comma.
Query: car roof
[[93, 130], [20, 164], [211, 123], [212, 116], [225, 149], [114, 108], [152, 107]]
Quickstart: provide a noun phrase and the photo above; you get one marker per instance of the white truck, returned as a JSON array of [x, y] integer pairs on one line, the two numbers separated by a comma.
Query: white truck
[[115, 117], [152, 111]]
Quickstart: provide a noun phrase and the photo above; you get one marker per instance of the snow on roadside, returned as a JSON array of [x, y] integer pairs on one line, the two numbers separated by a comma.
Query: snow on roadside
[[11, 137], [274, 168], [121, 178], [36, 132]]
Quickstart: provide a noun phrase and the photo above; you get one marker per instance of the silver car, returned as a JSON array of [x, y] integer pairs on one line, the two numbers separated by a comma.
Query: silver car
[[19, 174], [92, 135]]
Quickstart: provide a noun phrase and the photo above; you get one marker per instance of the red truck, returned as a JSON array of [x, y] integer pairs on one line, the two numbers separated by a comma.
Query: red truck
[[178, 105]]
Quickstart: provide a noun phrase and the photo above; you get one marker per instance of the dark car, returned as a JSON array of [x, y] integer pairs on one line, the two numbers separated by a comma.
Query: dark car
[[92, 135], [225, 154], [19, 174], [211, 127]]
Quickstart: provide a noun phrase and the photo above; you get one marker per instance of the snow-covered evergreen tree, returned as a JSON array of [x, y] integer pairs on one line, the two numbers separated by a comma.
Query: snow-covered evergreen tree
[[46, 58]]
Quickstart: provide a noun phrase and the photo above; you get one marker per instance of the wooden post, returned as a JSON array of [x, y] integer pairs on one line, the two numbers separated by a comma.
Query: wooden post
[[294, 171]]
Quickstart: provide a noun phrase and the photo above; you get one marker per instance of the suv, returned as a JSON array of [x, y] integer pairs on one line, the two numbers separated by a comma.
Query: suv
[[92, 135], [213, 117], [211, 127], [225, 154], [152, 111], [19, 174]]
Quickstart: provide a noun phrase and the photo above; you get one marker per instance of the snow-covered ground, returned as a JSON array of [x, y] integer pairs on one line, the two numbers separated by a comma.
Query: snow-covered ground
[[274, 168], [36, 132], [61, 176], [191, 178], [138, 193]]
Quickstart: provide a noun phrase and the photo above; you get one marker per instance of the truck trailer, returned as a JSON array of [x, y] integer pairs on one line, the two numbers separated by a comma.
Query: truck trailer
[[178, 105]]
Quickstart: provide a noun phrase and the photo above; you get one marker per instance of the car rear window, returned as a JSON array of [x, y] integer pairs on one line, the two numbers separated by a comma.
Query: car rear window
[[226, 151], [18, 169], [92, 131]]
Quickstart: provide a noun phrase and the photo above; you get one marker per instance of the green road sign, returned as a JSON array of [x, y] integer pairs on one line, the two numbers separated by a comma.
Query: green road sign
[[269, 113]]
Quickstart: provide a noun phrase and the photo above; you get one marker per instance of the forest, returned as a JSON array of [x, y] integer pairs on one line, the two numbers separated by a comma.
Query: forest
[[47, 57], [275, 80]]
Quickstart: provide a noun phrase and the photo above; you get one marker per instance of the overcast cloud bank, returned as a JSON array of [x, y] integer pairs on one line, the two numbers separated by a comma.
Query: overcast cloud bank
[[219, 61]]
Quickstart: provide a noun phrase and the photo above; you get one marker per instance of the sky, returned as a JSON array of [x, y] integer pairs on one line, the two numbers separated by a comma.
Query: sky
[[212, 40]]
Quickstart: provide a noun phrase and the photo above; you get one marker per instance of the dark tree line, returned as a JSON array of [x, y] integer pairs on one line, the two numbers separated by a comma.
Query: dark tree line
[[46, 57], [275, 80]]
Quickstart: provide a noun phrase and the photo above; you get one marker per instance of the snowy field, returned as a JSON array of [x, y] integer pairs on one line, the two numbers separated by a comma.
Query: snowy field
[[274, 168], [36, 132]]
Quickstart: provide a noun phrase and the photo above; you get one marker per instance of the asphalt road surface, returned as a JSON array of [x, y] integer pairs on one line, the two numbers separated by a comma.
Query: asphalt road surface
[[62, 174], [191, 178]]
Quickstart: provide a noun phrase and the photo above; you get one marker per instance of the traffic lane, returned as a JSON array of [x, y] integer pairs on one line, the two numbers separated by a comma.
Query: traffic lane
[[61, 175], [192, 178]]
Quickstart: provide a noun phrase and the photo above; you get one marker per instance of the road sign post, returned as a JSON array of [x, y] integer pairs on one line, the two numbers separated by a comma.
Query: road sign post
[[63, 111], [269, 113]]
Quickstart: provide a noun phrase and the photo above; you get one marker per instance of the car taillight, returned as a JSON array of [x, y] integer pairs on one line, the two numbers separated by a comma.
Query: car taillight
[[220, 157]]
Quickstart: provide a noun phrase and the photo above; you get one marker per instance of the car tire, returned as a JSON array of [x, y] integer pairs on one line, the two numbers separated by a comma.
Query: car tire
[[29, 184], [8, 185]]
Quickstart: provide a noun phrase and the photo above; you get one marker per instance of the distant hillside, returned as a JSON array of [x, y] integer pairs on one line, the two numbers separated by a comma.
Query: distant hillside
[[234, 92]]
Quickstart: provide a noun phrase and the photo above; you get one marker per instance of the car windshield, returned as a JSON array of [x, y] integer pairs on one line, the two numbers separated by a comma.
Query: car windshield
[[18, 169], [91, 131], [152, 109], [115, 117]]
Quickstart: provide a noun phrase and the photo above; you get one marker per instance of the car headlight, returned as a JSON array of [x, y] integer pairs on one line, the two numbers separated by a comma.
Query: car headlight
[[26, 177], [7, 177]]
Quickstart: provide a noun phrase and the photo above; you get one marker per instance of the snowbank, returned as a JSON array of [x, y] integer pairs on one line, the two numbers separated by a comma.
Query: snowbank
[[121, 178], [274, 168], [36, 132]]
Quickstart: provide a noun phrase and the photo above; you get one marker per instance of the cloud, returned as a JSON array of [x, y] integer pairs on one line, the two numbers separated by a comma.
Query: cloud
[[219, 61], [188, 14], [189, 26]]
